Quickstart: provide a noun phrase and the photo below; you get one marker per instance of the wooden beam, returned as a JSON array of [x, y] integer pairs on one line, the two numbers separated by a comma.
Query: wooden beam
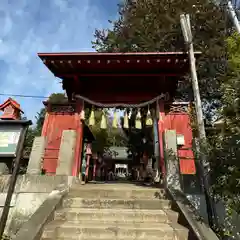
[[114, 61], [119, 75]]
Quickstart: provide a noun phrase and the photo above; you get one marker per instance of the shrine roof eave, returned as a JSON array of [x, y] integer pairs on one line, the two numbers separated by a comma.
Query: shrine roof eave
[[63, 64], [109, 54], [16, 122], [13, 102]]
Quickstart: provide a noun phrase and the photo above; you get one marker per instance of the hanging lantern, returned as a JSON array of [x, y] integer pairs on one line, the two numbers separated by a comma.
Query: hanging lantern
[[92, 118], [138, 122], [82, 115], [115, 121], [149, 121], [125, 122], [103, 121]]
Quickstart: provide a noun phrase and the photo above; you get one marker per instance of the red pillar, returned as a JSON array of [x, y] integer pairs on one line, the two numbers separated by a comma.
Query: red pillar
[[160, 135], [79, 130], [45, 125]]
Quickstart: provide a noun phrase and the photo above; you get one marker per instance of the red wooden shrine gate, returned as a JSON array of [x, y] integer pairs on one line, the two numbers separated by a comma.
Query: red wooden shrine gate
[[128, 78]]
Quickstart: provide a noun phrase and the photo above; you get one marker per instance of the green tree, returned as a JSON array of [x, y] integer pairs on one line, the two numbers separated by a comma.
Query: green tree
[[225, 152], [57, 98], [154, 26]]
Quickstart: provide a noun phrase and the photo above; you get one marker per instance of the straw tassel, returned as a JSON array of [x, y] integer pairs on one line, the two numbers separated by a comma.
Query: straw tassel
[[138, 122], [125, 122], [92, 119], [103, 124], [115, 122], [149, 121]]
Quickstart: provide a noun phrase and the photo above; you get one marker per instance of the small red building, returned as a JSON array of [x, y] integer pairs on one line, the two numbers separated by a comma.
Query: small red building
[[11, 110], [115, 78]]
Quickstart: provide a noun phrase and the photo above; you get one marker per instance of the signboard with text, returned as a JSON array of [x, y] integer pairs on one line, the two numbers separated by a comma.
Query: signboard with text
[[9, 137]]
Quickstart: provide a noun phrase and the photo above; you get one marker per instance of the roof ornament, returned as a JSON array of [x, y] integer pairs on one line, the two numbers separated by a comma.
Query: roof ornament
[[11, 110]]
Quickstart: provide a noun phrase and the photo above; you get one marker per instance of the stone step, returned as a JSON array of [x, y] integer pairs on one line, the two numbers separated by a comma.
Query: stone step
[[107, 215], [116, 185], [98, 230], [77, 237], [116, 192], [76, 202]]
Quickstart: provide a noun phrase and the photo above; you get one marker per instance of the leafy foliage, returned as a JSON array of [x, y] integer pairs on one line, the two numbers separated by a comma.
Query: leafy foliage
[[57, 98], [154, 25], [226, 148], [224, 152]]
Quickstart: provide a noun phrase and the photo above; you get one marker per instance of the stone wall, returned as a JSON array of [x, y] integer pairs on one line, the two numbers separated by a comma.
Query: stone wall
[[29, 194], [32, 189], [196, 197]]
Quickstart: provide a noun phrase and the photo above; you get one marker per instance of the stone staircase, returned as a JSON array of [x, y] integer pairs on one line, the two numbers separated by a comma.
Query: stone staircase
[[115, 211]]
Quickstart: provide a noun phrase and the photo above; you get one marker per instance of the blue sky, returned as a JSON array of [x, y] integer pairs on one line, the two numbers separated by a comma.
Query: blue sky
[[32, 26]]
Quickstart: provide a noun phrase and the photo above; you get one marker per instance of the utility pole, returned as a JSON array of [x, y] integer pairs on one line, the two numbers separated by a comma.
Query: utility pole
[[233, 15], [187, 34]]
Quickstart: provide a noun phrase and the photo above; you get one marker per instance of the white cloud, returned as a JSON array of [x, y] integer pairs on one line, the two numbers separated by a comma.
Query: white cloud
[[29, 27]]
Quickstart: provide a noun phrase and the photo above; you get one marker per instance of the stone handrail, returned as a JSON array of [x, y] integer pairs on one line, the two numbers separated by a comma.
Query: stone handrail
[[32, 229], [200, 230]]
